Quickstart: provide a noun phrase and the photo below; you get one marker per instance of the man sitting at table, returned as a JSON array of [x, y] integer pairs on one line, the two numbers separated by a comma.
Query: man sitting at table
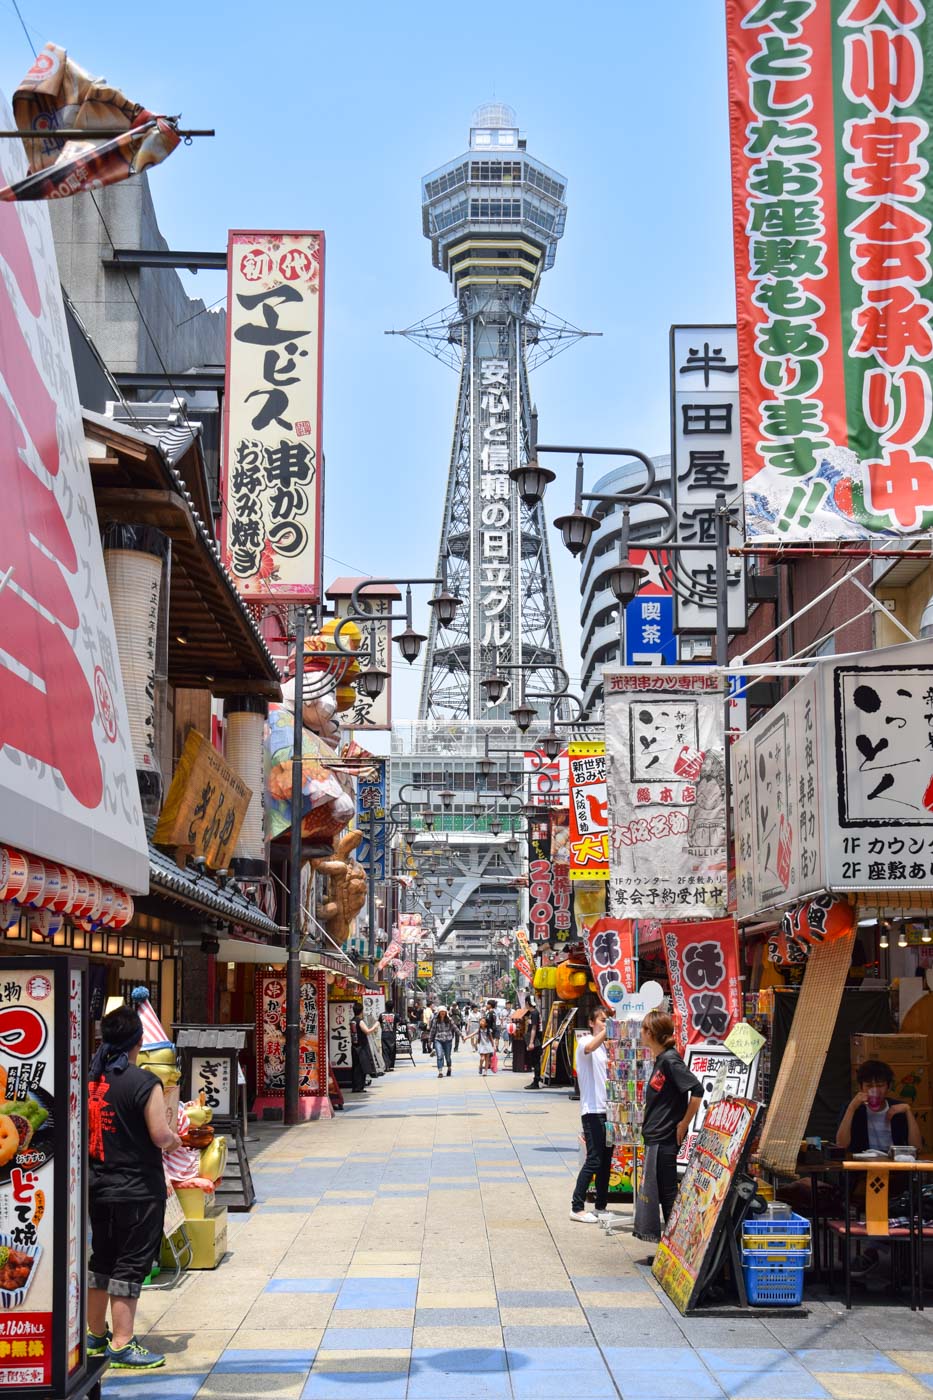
[[874, 1119]]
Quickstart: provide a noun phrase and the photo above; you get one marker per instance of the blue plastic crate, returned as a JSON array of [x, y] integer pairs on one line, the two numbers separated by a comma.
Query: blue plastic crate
[[768, 1225], [771, 1281]]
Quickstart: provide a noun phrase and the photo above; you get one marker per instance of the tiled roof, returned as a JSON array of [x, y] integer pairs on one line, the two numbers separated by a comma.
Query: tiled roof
[[204, 892]]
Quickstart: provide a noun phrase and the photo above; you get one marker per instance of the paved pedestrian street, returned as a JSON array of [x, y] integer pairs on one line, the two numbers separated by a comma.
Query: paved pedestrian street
[[418, 1247]]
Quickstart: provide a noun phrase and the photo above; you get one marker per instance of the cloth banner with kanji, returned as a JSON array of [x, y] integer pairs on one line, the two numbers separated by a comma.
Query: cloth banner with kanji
[[610, 952], [830, 111], [703, 971], [57, 95], [523, 966]]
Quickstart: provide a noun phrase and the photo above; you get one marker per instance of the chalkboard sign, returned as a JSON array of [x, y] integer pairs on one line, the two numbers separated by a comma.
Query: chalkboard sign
[[700, 1211]]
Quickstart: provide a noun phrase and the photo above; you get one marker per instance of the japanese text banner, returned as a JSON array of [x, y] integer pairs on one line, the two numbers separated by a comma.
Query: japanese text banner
[[830, 111], [667, 807], [273, 483], [703, 970], [589, 832], [610, 949]]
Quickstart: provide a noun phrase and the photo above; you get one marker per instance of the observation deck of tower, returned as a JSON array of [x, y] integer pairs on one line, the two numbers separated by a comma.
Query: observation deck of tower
[[493, 216]]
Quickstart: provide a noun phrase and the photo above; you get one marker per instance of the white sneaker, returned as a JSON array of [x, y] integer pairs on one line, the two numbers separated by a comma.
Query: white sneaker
[[585, 1217]]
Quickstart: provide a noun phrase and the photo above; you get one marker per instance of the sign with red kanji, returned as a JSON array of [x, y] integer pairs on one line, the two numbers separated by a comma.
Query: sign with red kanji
[[589, 827], [273, 484], [703, 970], [830, 106]]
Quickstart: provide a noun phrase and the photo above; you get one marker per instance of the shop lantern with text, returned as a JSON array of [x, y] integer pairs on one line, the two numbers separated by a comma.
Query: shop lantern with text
[[273, 484]]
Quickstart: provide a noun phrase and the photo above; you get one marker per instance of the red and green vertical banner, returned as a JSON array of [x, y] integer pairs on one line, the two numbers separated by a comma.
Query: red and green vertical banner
[[830, 106]]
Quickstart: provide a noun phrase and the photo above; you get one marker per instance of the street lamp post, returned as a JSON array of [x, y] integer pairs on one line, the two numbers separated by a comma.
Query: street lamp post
[[293, 965]]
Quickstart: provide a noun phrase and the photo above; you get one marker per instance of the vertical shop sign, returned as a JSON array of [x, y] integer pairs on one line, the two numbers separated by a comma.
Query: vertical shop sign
[[699, 1214], [610, 952], [545, 779], [830, 106], [43, 1216], [494, 503], [706, 463], [650, 639], [589, 827], [339, 1016], [215, 1076], [270, 1034], [703, 970], [667, 799], [366, 713], [371, 820], [549, 887], [67, 772], [273, 467], [374, 1003]]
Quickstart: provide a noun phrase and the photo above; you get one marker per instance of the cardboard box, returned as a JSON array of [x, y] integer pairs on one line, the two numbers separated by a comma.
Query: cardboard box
[[894, 1049]]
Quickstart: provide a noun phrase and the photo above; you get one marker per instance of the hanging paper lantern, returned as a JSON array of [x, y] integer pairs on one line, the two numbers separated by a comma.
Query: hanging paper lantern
[[35, 882], [9, 914], [122, 910], [63, 903], [46, 922], [571, 982], [244, 722], [52, 888], [14, 872], [82, 899], [108, 895], [97, 900]]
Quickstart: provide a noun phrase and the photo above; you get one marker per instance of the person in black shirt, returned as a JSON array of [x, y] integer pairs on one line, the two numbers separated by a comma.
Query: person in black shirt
[[533, 1041], [361, 1057], [127, 1133], [672, 1099]]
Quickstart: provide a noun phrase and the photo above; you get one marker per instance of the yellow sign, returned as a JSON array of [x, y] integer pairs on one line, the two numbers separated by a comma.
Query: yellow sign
[[425, 969], [525, 946], [744, 1042], [205, 806]]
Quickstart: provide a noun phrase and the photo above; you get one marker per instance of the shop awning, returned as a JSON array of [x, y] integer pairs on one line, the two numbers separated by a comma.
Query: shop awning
[[204, 893], [245, 950]]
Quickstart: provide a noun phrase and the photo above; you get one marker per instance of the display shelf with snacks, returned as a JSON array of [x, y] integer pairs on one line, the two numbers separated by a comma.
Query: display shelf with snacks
[[628, 1069]]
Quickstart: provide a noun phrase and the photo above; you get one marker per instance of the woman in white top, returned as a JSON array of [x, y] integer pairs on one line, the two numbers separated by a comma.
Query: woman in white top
[[591, 1077]]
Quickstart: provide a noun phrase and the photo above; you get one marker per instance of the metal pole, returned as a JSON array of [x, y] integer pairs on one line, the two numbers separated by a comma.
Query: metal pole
[[371, 894], [293, 972]]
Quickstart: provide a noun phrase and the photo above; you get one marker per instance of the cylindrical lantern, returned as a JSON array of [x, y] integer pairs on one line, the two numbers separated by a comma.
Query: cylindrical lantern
[[122, 910], [133, 557], [244, 720], [35, 882], [14, 872]]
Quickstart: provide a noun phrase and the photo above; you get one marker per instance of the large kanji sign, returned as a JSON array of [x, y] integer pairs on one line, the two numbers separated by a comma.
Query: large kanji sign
[[830, 107], [273, 485], [589, 823], [703, 970], [68, 788]]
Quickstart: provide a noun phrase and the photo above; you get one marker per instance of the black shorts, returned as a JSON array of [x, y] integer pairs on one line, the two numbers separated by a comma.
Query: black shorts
[[126, 1238]]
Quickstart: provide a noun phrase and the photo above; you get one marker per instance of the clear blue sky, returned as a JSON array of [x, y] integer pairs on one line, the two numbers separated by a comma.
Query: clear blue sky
[[327, 117]]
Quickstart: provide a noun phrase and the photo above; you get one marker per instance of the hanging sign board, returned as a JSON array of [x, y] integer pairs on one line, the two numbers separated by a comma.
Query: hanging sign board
[[860, 729], [589, 829], [215, 1077], [68, 789], [43, 1191], [270, 1034], [205, 806], [379, 602], [722, 1072], [339, 1040], [830, 112], [699, 1212], [665, 737], [273, 486]]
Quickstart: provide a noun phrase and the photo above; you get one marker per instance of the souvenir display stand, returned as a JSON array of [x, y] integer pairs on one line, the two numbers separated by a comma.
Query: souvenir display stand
[[210, 1065], [628, 1069]]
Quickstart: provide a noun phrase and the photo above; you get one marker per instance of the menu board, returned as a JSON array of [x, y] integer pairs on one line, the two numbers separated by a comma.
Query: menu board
[[339, 1044], [721, 1074], [43, 1215], [700, 1212], [270, 1034]]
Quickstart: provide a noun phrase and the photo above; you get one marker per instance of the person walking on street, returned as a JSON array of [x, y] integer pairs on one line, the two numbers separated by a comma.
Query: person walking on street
[[427, 1016], [472, 1025], [533, 1041], [492, 1024], [442, 1039], [672, 1099], [591, 1077], [127, 1133], [485, 1044], [387, 1036], [361, 1056]]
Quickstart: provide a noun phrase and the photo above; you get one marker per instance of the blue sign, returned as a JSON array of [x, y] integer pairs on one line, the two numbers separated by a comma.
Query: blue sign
[[649, 631], [371, 819]]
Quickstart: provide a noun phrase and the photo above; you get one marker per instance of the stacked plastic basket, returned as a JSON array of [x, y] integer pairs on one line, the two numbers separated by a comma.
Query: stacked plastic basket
[[775, 1252]]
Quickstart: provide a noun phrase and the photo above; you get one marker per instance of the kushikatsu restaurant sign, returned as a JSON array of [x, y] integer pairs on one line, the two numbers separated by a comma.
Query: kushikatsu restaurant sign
[[830, 106], [273, 490], [68, 788]]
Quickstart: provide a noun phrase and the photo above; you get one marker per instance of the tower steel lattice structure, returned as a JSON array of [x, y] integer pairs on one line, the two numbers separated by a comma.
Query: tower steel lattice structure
[[493, 217]]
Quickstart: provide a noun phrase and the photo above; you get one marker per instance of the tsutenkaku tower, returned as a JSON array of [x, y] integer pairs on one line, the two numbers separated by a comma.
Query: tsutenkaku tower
[[493, 216]]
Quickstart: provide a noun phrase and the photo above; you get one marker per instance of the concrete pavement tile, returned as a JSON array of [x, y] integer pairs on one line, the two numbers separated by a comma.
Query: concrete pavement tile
[[471, 1297], [366, 1338], [374, 1317], [153, 1385], [550, 1316], [598, 1302], [489, 1385], [330, 1286], [388, 1359], [868, 1387], [463, 1359], [286, 1339], [387, 1256], [187, 1350], [609, 1283], [299, 1310], [746, 1358], [359, 1385], [841, 1361], [456, 1338], [667, 1385], [457, 1317], [564, 1336], [918, 1363], [639, 1358], [183, 1316], [552, 1385], [382, 1271], [535, 1298], [738, 1386]]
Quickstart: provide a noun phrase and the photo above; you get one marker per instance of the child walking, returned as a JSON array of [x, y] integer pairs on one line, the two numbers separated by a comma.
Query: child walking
[[482, 1039]]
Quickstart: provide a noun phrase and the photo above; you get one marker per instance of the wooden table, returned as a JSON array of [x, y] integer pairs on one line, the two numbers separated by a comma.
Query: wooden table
[[878, 1174]]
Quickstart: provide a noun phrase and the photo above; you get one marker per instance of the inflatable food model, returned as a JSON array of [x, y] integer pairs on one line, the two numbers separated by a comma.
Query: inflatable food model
[[185, 1166], [327, 797], [346, 892]]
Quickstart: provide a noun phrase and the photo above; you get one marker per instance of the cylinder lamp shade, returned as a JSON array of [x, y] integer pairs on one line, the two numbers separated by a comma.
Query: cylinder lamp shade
[[133, 558], [244, 720]]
